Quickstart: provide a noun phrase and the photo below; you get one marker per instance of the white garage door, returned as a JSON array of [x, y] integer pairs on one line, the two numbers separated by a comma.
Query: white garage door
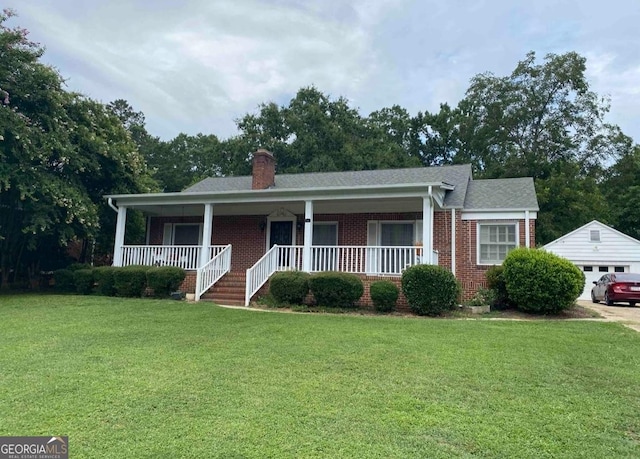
[[596, 271]]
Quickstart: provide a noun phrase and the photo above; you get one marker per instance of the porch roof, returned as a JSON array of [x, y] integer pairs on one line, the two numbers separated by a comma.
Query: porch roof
[[452, 186], [361, 194], [456, 177], [448, 182]]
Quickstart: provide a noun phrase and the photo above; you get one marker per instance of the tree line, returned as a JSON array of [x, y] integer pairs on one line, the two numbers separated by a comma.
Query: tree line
[[61, 152]]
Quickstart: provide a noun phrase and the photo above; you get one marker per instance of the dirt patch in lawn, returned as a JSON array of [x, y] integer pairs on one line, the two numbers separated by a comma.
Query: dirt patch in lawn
[[576, 312]]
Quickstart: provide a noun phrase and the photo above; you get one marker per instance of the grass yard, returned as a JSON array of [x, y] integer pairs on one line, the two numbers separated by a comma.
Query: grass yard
[[154, 378]]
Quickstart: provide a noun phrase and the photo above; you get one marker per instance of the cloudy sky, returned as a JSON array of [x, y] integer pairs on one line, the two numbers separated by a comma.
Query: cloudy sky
[[196, 65]]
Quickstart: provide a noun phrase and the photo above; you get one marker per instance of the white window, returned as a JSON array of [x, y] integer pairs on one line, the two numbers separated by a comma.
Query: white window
[[388, 235], [495, 241], [325, 233], [594, 235], [325, 241], [396, 234], [182, 234]]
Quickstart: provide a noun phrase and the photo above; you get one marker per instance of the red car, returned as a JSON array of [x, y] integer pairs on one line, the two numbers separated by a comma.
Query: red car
[[615, 287]]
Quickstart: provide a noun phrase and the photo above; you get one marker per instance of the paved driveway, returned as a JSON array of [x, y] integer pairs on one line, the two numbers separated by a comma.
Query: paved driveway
[[623, 313]]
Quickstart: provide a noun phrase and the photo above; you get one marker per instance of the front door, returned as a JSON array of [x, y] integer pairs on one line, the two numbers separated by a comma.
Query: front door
[[281, 233]]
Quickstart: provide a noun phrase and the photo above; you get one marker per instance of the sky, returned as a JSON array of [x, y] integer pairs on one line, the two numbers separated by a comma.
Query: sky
[[195, 66]]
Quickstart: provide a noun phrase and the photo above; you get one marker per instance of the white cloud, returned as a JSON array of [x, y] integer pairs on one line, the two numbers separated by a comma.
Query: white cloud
[[196, 65]]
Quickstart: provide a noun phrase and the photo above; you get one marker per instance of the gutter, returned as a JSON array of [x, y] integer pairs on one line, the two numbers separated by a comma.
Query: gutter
[[110, 202], [270, 195]]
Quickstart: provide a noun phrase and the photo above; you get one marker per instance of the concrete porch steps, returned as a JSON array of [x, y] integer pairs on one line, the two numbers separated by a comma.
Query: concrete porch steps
[[229, 290]]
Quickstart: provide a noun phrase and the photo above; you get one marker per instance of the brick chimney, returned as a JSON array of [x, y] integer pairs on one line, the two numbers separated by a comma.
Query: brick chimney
[[264, 170]]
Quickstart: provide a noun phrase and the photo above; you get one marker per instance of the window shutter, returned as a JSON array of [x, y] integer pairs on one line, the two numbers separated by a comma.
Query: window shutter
[[372, 240], [167, 234], [372, 232], [418, 236]]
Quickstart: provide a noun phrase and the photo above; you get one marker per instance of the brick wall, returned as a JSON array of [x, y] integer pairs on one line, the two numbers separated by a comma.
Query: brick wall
[[189, 283], [469, 273], [365, 300], [248, 239]]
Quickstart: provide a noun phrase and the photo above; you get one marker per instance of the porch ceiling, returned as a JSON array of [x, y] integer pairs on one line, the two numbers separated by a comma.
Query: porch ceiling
[[347, 206]]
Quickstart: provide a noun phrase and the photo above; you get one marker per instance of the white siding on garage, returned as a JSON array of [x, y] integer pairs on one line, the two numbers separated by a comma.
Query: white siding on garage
[[599, 246]]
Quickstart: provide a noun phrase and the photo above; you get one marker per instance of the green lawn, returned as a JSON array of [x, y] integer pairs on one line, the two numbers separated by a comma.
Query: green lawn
[[149, 378]]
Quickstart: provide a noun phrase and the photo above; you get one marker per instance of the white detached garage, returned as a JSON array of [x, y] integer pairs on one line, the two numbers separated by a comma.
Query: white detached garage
[[598, 249]]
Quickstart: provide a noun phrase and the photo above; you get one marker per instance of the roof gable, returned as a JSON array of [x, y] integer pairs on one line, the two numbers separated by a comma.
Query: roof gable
[[501, 194], [594, 224]]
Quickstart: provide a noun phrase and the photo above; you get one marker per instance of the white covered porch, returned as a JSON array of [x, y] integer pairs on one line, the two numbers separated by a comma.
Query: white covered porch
[[293, 233]]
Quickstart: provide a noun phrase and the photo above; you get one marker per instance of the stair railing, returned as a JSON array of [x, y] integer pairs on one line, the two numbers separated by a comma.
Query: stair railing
[[212, 271], [260, 272]]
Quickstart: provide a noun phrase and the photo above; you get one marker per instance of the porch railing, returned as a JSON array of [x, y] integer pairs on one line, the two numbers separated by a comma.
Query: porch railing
[[387, 260], [183, 256], [375, 261], [260, 272], [213, 270]]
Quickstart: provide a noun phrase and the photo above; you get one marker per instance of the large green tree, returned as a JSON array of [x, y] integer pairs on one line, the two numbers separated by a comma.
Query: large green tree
[[621, 188], [542, 121], [185, 160], [315, 133], [59, 154], [541, 114]]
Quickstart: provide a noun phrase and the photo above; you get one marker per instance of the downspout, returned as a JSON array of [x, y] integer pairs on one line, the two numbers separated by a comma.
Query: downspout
[[430, 224], [110, 202], [527, 231], [453, 241]]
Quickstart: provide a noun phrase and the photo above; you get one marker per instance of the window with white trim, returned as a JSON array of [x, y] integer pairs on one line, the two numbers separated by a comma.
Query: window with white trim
[[182, 234], [594, 235], [396, 233], [495, 240]]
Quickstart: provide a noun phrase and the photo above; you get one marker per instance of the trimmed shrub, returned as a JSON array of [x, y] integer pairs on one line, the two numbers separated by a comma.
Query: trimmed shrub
[[289, 287], [130, 281], [384, 295], [496, 283], [103, 277], [336, 290], [541, 282], [76, 266], [164, 279], [83, 280], [430, 289], [63, 279]]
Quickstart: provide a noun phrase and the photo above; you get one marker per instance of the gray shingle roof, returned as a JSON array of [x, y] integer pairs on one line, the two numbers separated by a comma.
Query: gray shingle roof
[[457, 176], [511, 193]]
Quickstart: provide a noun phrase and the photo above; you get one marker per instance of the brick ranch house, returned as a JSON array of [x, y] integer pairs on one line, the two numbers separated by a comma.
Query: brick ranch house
[[232, 233]]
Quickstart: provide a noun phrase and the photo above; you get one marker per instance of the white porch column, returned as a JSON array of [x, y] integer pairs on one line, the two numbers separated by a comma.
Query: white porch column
[[308, 236], [121, 221], [427, 228], [206, 234]]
